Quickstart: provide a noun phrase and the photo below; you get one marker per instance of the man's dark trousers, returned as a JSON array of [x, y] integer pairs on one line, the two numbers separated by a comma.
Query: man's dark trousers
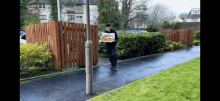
[[111, 52]]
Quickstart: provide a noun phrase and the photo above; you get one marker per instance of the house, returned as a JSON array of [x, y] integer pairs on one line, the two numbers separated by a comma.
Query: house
[[193, 16], [176, 19], [72, 10]]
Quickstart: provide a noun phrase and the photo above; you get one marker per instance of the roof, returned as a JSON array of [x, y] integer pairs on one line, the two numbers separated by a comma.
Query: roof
[[193, 15], [177, 19], [83, 2]]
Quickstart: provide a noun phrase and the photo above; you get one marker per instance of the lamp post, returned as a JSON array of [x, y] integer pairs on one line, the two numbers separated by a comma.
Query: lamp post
[[58, 8], [88, 53]]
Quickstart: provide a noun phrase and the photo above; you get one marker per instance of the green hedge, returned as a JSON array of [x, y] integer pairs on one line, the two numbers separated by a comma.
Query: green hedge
[[134, 45], [197, 35]]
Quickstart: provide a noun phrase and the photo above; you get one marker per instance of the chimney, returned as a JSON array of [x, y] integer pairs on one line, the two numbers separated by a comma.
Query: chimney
[[174, 17]]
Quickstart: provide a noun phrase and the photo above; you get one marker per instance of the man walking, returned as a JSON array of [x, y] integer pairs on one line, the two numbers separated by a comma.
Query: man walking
[[111, 48]]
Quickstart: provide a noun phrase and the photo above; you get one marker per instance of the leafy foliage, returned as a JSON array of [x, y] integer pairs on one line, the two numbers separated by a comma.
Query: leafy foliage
[[168, 25], [197, 35], [109, 13], [33, 57], [170, 46], [134, 45], [53, 9], [32, 21], [176, 25], [196, 42], [151, 28]]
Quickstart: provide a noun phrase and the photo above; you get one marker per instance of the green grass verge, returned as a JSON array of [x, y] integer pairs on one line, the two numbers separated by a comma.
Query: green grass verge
[[181, 83]]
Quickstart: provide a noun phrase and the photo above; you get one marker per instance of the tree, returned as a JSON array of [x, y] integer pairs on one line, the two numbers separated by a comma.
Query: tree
[[53, 9], [159, 13], [183, 16], [25, 13], [128, 8], [109, 13]]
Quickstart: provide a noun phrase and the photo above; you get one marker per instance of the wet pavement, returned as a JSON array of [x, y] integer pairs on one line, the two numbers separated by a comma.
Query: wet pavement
[[72, 87]]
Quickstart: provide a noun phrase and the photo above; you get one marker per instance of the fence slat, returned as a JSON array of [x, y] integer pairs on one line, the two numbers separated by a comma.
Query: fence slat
[[69, 44], [65, 44], [80, 44], [73, 44], [58, 57], [77, 44], [62, 46], [83, 45]]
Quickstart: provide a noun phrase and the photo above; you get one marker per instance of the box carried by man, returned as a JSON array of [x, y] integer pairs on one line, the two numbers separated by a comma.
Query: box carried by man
[[107, 37]]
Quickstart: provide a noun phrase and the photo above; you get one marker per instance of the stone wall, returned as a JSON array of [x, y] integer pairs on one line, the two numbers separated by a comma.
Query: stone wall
[[190, 25]]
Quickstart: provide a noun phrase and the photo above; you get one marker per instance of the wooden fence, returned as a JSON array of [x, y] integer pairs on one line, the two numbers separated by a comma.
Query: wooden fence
[[184, 36], [66, 42]]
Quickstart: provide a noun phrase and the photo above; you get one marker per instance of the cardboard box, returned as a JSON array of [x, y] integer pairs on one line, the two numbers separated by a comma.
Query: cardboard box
[[107, 37]]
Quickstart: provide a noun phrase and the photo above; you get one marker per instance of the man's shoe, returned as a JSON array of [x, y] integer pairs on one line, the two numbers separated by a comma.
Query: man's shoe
[[112, 68], [115, 69]]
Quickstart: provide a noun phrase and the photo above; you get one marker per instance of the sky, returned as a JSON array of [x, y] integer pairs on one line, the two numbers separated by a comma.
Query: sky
[[179, 6]]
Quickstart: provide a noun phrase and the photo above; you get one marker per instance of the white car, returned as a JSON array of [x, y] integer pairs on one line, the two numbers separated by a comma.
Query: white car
[[23, 39]]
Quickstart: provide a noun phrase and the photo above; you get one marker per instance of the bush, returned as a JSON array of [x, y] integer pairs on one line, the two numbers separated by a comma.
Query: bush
[[151, 28], [176, 45], [34, 57], [196, 42], [170, 46], [32, 21], [176, 25], [101, 27], [167, 25], [134, 45], [197, 35]]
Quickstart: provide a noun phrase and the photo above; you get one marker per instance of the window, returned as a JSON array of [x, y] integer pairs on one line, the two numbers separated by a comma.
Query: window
[[79, 11], [78, 19], [43, 17], [78, 16], [71, 17], [42, 6], [78, 5], [196, 12]]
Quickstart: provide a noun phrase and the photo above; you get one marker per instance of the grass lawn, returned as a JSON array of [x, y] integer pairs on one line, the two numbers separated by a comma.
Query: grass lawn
[[181, 83]]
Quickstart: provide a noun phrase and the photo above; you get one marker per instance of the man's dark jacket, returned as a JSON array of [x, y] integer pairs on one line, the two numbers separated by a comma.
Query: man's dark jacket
[[116, 38]]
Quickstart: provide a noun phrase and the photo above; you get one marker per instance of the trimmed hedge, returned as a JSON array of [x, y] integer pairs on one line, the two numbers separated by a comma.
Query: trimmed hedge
[[134, 45]]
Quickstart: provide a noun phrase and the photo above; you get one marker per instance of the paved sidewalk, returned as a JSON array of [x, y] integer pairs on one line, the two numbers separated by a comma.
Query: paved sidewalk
[[72, 87]]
